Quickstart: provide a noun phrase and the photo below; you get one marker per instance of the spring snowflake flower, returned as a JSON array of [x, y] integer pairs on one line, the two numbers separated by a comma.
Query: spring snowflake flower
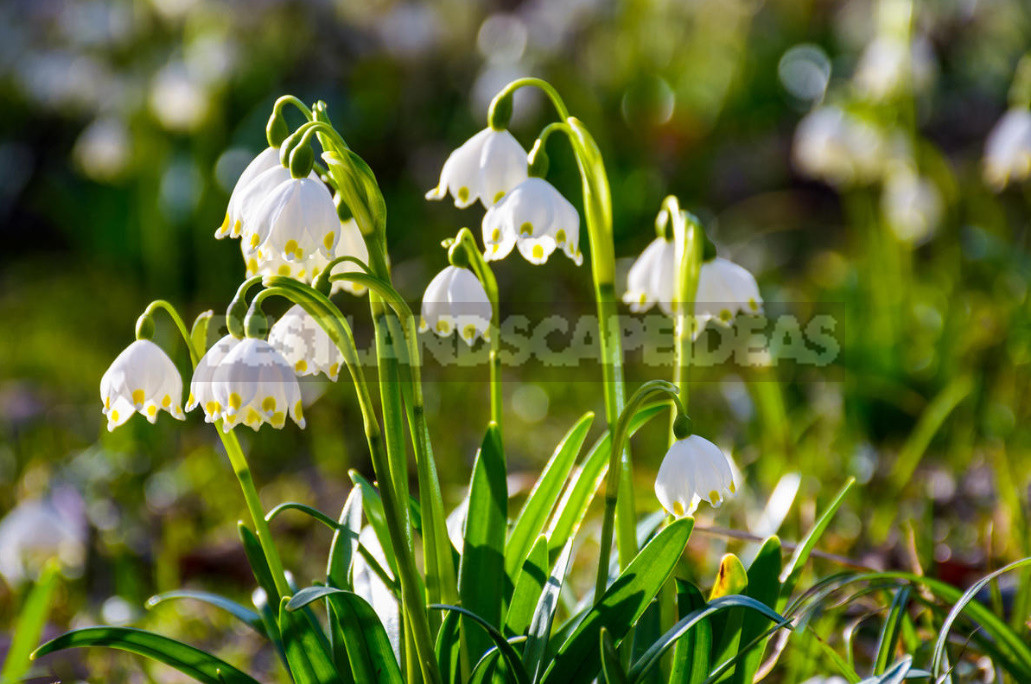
[[141, 379], [693, 470], [456, 300], [295, 220], [35, 531], [352, 244], [233, 222], [911, 204], [1007, 152], [485, 167], [202, 391], [725, 290], [537, 219], [269, 263], [652, 278], [838, 147], [303, 343], [889, 66], [254, 384]]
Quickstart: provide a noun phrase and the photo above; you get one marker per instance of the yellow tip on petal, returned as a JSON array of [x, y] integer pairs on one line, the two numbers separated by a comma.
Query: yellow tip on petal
[[301, 366], [526, 229], [235, 401], [678, 509], [268, 404], [138, 397], [538, 252]]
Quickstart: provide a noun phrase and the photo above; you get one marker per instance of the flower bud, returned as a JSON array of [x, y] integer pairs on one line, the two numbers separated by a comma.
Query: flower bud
[[500, 113], [276, 131], [301, 161]]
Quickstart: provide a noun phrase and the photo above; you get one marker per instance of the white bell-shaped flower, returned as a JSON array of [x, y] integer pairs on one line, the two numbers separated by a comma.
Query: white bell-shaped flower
[[305, 345], [456, 300], [889, 66], [652, 278], [485, 167], [912, 205], [141, 379], [1007, 151], [295, 220], [725, 290], [233, 222], [268, 263], [352, 244], [202, 388], [254, 384], [694, 469], [38, 530], [537, 219], [839, 147]]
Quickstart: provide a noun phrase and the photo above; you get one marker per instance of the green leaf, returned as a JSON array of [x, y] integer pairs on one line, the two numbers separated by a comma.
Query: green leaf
[[577, 497], [448, 650], [372, 504], [303, 508], [512, 658], [890, 631], [541, 502], [763, 586], [481, 572], [199, 331], [544, 615], [29, 626], [191, 661], [578, 658], [652, 656], [726, 628], [528, 588], [241, 613], [345, 541], [368, 647], [611, 668], [791, 574], [691, 657], [895, 675], [305, 650], [259, 566]]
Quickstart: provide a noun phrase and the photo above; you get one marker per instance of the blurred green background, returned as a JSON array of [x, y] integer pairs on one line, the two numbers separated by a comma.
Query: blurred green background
[[125, 124]]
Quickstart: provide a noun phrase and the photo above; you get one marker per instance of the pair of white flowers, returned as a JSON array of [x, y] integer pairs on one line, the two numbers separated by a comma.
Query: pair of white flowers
[[240, 381]]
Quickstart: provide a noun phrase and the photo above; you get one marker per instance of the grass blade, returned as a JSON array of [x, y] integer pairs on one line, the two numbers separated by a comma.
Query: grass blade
[[29, 627], [345, 541], [763, 586], [528, 588], [890, 632], [691, 656], [508, 652], [539, 634], [241, 613], [305, 650], [791, 574]]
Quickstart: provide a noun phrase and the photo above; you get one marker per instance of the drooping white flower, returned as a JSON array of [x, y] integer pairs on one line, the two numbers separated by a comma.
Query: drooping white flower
[[271, 263], [456, 300], [295, 220], [141, 379], [202, 390], [305, 345], [838, 147], [724, 290], [254, 384], [37, 530], [352, 244], [485, 167], [693, 470], [652, 278], [268, 159], [1007, 151], [537, 219], [889, 66], [911, 204], [251, 197]]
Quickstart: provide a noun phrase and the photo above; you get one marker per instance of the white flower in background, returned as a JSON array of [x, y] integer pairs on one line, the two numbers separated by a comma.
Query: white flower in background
[[370, 587], [485, 167], [537, 219], [888, 66], [295, 220], [838, 147], [652, 278], [1007, 152], [268, 159], [254, 384], [694, 469], [912, 205], [352, 244], [202, 392], [456, 300], [177, 99], [141, 379], [724, 290], [103, 151], [303, 343], [35, 531]]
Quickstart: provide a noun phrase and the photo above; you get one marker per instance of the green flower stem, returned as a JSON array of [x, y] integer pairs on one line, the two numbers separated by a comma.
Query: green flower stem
[[614, 480], [332, 321], [465, 241], [291, 100], [689, 243], [237, 459], [509, 90]]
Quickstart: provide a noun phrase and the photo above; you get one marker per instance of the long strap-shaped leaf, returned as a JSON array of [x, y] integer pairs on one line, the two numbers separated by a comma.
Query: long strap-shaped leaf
[[345, 541], [541, 502], [512, 658], [241, 613], [528, 588], [544, 615], [578, 658], [368, 648], [652, 656], [191, 661], [789, 577], [310, 663]]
